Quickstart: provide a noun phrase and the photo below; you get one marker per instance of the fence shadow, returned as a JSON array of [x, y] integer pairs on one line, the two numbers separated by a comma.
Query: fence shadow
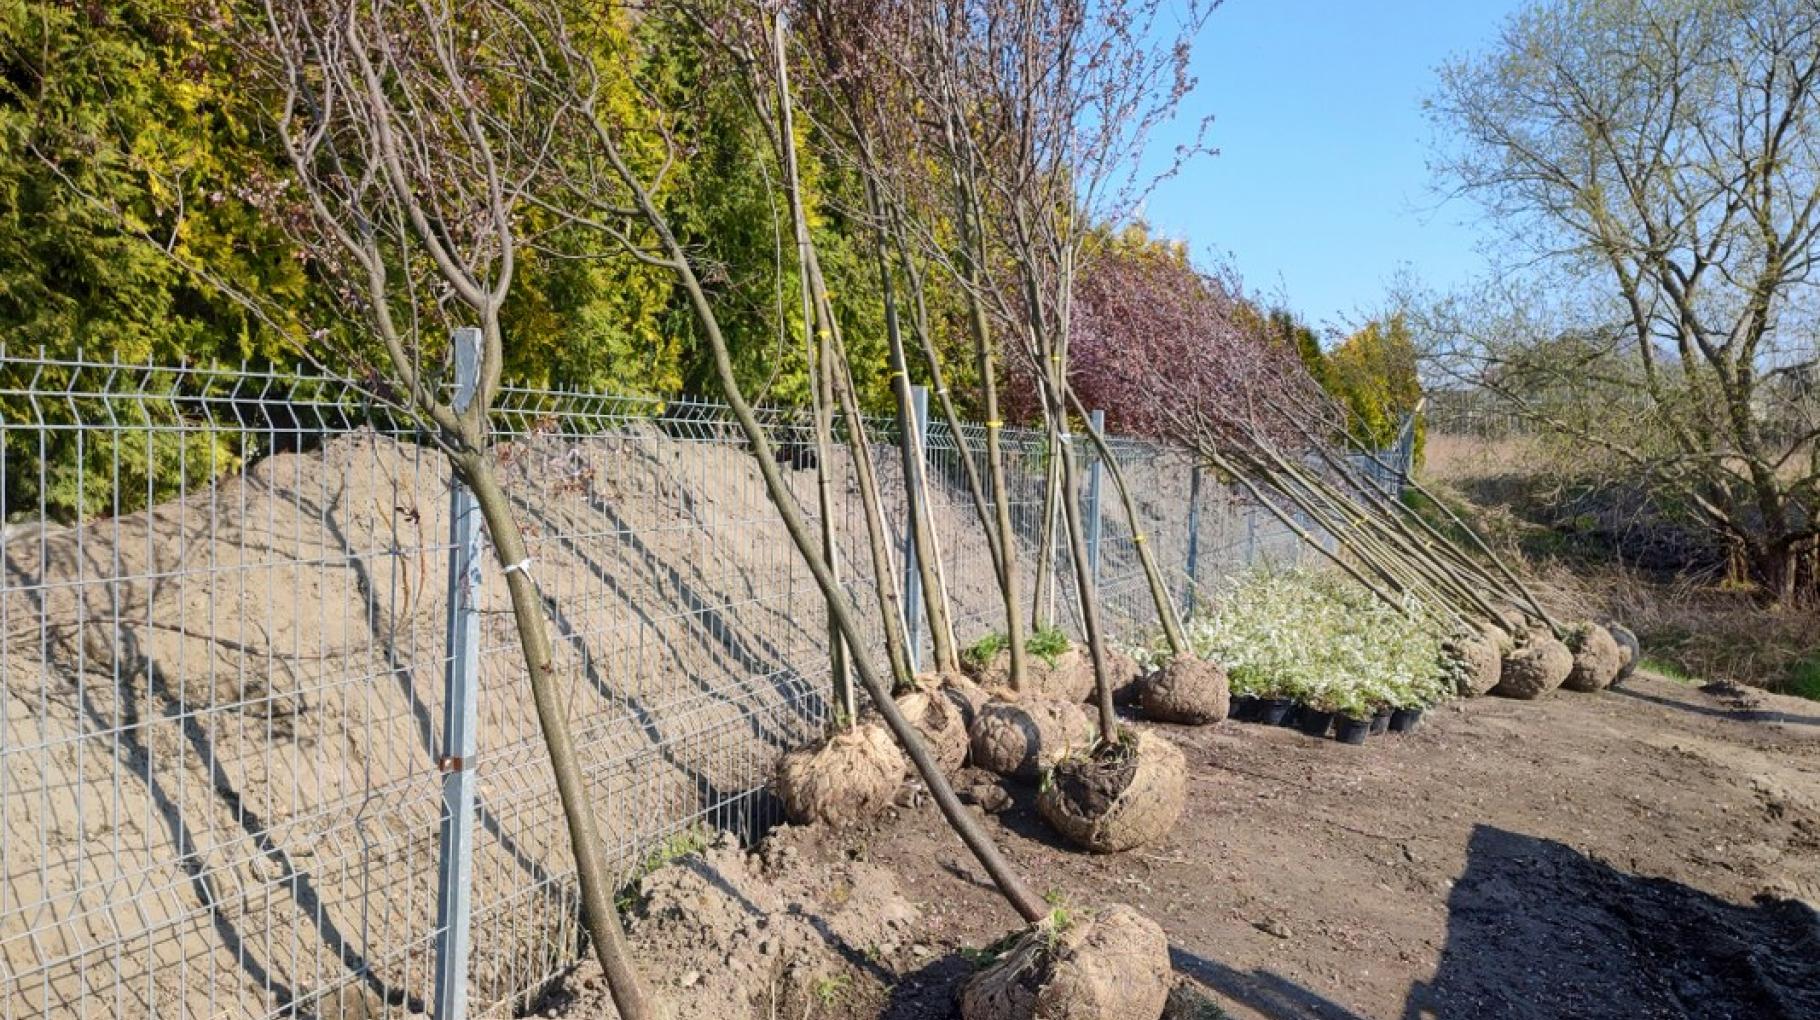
[[1538, 930]]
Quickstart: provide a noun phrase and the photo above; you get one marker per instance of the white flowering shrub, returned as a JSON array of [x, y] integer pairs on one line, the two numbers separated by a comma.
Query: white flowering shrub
[[1322, 640]]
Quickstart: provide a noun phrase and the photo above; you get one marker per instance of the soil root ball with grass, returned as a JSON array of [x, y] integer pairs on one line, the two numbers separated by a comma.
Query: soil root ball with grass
[[1534, 667], [939, 721], [1480, 662], [1022, 735], [1186, 690], [1597, 658], [1053, 668], [1108, 965], [1628, 647], [1127, 796], [848, 778]]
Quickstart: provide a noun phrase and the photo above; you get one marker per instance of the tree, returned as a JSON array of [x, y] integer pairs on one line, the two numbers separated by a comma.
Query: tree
[[1658, 160], [418, 162], [1373, 373]]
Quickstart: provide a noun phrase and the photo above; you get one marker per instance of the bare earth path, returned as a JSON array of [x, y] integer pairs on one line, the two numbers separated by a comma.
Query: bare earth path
[[1652, 851]]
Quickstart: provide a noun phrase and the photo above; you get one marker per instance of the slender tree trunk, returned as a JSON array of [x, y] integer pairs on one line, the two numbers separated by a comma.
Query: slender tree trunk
[[1016, 891], [598, 913], [1159, 592], [1025, 901], [916, 489], [1042, 598]]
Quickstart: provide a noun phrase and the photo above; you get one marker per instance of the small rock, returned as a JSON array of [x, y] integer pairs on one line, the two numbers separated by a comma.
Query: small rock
[[691, 979], [990, 798], [919, 950], [1274, 928]]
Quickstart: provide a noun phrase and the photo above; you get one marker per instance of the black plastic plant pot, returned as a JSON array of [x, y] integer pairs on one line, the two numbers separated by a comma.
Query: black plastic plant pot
[[1405, 719], [1348, 730], [1244, 708], [1274, 711], [1380, 722], [1312, 722]]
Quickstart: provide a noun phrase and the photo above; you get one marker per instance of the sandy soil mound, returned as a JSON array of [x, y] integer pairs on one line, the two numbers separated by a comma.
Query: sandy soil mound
[[727, 935], [1107, 965], [1125, 801]]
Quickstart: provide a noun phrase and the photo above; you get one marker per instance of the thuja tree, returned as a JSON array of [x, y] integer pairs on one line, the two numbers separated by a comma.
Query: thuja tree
[[415, 155]]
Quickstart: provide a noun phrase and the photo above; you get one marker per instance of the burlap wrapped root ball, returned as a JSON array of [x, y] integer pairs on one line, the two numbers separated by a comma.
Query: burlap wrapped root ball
[[1537, 665], [1480, 659], [1186, 690], [1628, 647], [1597, 659], [1129, 797], [939, 721], [1021, 736], [1106, 965], [1068, 678], [847, 778]]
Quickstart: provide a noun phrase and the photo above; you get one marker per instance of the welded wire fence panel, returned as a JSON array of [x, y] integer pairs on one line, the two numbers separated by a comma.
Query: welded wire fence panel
[[223, 617]]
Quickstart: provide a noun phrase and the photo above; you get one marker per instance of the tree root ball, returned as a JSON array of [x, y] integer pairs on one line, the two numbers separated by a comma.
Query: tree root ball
[[959, 690], [1109, 965], [939, 721], [1186, 690], [847, 778], [1628, 647], [1513, 619], [1480, 661], [1536, 666], [1597, 659], [1126, 676], [1128, 798], [1068, 678], [1023, 735]]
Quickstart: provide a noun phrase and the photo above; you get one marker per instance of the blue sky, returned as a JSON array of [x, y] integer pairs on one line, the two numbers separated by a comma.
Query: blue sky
[[1321, 188]]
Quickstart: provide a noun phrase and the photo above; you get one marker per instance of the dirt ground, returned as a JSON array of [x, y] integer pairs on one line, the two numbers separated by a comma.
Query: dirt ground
[[1652, 851]]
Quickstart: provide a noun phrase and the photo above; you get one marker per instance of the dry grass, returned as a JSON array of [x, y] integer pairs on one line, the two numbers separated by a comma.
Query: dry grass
[[1690, 622]]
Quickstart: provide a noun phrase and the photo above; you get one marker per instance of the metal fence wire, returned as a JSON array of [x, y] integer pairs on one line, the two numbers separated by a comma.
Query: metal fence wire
[[226, 620]]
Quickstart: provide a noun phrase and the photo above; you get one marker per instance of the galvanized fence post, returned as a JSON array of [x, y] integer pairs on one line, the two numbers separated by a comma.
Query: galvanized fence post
[[913, 578], [1097, 421], [461, 690], [1194, 541]]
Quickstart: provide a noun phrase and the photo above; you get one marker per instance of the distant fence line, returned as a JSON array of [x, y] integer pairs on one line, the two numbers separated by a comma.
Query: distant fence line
[[229, 684]]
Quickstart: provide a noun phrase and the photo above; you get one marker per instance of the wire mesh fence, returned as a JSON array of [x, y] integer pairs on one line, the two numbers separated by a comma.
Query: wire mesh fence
[[225, 611]]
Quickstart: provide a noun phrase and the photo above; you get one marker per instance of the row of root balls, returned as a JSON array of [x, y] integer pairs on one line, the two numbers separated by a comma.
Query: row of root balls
[[1111, 964], [1533, 662]]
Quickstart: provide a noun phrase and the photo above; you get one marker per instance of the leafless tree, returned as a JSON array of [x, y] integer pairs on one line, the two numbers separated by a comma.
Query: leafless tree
[[415, 153], [1659, 160], [612, 170]]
